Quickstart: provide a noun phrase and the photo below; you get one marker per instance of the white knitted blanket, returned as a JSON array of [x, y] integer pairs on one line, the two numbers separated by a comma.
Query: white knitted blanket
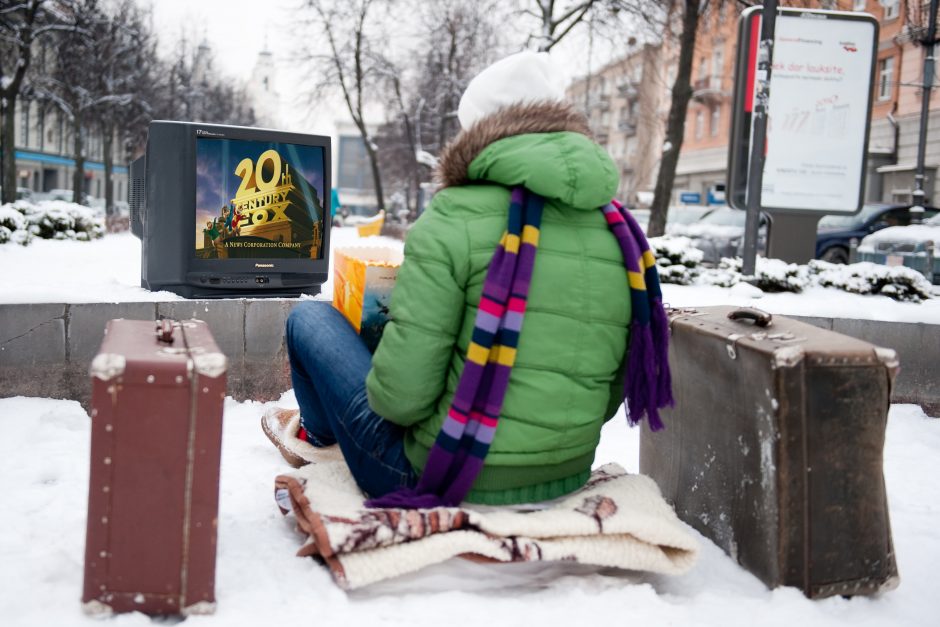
[[616, 520]]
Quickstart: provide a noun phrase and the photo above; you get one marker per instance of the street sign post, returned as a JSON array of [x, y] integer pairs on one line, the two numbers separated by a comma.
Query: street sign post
[[819, 112]]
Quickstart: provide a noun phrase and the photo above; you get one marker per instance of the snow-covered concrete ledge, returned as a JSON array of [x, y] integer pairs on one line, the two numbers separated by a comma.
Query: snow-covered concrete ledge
[[45, 348]]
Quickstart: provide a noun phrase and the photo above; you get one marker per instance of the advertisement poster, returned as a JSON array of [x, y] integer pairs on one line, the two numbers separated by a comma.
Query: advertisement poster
[[820, 88], [258, 200]]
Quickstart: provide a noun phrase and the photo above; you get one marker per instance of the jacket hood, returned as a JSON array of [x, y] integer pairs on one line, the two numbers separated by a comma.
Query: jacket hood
[[545, 146]]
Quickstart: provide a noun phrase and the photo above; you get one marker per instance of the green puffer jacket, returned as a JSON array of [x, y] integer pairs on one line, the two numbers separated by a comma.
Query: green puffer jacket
[[567, 376]]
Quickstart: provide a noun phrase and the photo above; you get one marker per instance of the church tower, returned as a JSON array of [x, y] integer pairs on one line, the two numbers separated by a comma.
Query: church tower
[[264, 89]]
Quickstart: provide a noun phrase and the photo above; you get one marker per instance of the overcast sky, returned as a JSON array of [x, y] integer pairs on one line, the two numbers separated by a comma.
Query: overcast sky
[[237, 30]]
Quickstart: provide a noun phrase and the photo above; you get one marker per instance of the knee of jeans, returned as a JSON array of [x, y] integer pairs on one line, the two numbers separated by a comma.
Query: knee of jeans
[[309, 314]]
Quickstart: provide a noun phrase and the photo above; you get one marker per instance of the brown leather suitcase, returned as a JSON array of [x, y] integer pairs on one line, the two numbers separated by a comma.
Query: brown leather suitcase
[[774, 448], [154, 481]]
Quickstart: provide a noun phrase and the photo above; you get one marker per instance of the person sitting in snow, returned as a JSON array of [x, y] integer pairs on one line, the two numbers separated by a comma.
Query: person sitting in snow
[[394, 414]]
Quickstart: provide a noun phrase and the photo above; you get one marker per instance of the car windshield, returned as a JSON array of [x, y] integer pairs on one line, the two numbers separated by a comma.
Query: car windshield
[[725, 217], [851, 222], [686, 215], [934, 221]]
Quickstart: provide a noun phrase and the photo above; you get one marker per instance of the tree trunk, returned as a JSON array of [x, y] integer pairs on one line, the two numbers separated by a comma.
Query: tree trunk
[[8, 149], [376, 175], [78, 177], [107, 146], [675, 127], [414, 167]]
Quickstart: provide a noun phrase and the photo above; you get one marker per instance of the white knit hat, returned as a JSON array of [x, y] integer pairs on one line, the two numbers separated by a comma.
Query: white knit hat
[[523, 77]]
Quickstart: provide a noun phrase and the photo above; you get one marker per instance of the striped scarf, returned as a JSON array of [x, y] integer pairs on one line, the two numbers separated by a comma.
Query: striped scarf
[[458, 454]]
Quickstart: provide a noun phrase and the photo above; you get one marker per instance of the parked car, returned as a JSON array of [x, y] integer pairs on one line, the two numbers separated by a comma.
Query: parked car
[[351, 215], [835, 233], [719, 234], [642, 217], [58, 194], [916, 246], [22, 193], [679, 216]]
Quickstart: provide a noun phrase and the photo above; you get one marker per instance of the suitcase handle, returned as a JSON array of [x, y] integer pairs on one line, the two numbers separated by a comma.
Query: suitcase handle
[[164, 331], [758, 317]]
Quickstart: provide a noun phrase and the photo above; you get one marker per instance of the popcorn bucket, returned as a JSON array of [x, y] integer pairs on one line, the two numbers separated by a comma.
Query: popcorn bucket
[[363, 278], [372, 227]]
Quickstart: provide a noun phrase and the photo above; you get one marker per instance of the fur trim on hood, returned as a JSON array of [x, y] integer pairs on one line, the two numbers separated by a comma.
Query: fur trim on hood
[[519, 119]]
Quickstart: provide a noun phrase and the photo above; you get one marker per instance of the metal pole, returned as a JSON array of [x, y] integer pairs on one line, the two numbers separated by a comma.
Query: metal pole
[[928, 42], [755, 170]]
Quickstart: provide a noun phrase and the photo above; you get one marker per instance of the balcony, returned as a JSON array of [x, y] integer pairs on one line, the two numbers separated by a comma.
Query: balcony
[[707, 90], [627, 127], [629, 89], [601, 102]]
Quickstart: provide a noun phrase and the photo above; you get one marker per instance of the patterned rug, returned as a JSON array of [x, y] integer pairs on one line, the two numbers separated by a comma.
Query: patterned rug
[[616, 520]]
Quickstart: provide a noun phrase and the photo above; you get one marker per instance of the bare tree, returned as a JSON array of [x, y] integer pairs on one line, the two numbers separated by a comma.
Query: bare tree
[[22, 24], [352, 64], [72, 82], [124, 70], [456, 40], [675, 124], [556, 20]]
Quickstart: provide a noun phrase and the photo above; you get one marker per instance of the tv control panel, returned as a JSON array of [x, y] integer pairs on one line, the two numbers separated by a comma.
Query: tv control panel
[[237, 281], [253, 285]]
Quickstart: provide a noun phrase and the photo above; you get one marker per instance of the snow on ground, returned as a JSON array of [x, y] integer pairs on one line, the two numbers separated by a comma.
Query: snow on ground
[[103, 271], [44, 448], [108, 270]]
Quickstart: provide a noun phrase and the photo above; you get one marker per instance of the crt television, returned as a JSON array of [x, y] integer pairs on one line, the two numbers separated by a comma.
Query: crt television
[[228, 211]]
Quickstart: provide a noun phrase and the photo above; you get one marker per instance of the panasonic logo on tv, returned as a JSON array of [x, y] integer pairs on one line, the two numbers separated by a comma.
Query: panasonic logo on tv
[[264, 265], [199, 131]]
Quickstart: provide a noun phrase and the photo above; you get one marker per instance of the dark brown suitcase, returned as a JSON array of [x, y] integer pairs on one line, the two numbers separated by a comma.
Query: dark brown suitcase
[[774, 448], [154, 481]]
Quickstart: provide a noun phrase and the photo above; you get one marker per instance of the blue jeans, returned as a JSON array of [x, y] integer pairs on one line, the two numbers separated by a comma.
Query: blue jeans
[[329, 364]]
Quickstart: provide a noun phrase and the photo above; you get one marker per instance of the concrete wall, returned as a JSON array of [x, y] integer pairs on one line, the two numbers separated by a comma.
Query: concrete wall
[[45, 349]]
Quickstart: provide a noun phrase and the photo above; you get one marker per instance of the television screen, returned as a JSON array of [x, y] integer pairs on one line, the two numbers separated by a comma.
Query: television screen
[[258, 200]]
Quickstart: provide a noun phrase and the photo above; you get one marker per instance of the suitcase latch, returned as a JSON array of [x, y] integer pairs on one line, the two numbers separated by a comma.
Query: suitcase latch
[[164, 330], [731, 346]]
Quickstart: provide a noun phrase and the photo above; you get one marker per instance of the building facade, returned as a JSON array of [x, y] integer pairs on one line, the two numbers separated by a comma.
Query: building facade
[[43, 140], [702, 169], [623, 102]]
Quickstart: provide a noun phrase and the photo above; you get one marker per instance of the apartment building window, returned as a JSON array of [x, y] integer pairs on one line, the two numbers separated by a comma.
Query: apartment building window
[[699, 124], [718, 65], [885, 78], [716, 120], [858, 5], [891, 8]]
